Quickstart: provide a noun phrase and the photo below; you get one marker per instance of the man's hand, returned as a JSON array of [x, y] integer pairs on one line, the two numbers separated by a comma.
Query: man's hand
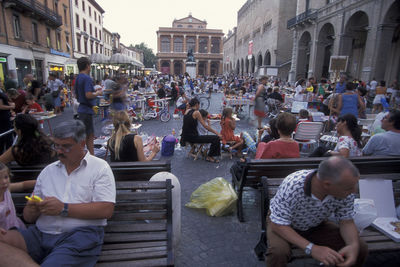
[[51, 206], [326, 255], [3, 231], [350, 254]]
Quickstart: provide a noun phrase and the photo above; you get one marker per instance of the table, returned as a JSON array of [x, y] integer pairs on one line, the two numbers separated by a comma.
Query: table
[[45, 116], [233, 102]]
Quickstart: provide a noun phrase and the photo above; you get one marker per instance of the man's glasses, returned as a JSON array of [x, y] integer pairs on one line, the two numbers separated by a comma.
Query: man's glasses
[[64, 148]]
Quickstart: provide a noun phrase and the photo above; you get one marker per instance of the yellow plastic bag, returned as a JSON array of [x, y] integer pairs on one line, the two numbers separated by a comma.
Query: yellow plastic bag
[[216, 196]]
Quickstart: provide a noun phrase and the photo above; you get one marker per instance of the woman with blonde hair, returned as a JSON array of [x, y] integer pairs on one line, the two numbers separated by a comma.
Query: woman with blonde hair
[[126, 146]]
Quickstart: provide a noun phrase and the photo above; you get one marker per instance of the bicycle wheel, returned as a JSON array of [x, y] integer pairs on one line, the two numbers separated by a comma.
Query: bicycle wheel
[[165, 116], [204, 102]]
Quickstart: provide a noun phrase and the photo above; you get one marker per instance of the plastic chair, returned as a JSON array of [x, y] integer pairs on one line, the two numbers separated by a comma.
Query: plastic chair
[[308, 134]]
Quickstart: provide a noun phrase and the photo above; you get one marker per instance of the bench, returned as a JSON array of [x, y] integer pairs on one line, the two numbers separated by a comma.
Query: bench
[[130, 171], [376, 241], [140, 230], [253, 170]]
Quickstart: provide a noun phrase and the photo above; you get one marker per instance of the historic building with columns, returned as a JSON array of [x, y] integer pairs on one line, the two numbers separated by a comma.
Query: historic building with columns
[[173, 44], [367, 31], [261, 39]]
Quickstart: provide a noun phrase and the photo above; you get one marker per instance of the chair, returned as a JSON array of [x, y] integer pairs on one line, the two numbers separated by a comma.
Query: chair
[[308, 134]]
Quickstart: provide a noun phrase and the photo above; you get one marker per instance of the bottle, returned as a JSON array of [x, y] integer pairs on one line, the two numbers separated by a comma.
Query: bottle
[[173, 132]]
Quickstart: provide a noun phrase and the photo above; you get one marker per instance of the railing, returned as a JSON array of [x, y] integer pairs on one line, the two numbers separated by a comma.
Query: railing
[[39, 9], [310, 14]]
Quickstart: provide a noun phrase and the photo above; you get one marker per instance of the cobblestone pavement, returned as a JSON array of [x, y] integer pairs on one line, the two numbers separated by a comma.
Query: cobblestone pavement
[[208, 241]]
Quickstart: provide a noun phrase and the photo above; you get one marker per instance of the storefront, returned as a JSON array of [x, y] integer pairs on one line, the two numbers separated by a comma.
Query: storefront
[[3, 68], [23, 68]]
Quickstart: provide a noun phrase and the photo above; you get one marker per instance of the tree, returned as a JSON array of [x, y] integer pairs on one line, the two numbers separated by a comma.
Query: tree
[[149, 59]]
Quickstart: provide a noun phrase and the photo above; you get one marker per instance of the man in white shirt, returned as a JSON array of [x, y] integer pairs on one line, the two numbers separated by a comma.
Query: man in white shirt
[[78, 193]]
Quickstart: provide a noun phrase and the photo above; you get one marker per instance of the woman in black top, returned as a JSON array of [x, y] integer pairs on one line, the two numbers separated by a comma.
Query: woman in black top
[[125, 146], [189, 131], [5, 123]]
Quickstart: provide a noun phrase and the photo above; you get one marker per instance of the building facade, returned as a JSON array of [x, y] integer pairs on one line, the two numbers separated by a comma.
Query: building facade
[[87, 28], [35, 38], [173, 44], [261, 39], [366, 31], [108, 45]]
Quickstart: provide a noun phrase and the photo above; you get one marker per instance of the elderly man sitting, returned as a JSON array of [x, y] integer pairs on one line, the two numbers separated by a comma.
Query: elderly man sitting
[[78, 193], [300, 210]]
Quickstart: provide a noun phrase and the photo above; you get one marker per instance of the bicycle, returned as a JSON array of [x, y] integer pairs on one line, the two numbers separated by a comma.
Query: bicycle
[[204, 100], [152, 113]]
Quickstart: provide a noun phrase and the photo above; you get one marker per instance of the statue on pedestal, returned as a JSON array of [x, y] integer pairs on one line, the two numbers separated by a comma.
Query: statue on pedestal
[[190, 56]]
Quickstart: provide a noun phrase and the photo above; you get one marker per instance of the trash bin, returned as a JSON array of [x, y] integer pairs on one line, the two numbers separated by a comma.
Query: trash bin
[[168, 145]]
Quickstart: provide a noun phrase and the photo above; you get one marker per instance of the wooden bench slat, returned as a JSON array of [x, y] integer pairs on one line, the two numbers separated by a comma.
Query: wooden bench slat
[[132, 216], [132, 250], [141, 195], [140, 185], [134, 237], [141, 206], [133, 245], [135, 227], [135, 263], [134, 256]]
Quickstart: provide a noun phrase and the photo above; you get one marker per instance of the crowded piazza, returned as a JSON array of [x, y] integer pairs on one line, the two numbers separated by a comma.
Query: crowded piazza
[[274, 142]]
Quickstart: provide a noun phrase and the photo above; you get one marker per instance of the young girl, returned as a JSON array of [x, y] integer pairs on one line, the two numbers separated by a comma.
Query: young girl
[[228, 125], [8, 217]]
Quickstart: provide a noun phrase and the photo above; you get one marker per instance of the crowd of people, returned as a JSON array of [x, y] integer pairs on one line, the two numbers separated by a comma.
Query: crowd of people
[[74, 212]]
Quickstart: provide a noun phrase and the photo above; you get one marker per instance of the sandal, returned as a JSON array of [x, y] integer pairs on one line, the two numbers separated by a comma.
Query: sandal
[[210, 159]]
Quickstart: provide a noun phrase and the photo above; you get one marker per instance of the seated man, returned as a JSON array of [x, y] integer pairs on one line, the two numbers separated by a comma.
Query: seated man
[[300, 210], [387, 143], [78, 193]]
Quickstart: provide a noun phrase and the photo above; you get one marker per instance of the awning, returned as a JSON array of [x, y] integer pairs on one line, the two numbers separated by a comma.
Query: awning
[[137, 63], [99, 58], [119, 58]]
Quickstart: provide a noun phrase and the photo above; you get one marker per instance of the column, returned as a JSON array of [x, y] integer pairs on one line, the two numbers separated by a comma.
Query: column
[[382, 62], [220, 66], [209, 67], [221, 45], [369, 55], [293, 69], [184, 43], [197, 44], [158, 42], [159, 64], [171, 67], [209, 44], [197, 67], [171, 41], [183, 67], [313, 52]]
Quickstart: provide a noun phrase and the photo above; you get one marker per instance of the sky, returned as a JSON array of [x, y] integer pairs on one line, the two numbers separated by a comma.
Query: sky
[[138, 20]]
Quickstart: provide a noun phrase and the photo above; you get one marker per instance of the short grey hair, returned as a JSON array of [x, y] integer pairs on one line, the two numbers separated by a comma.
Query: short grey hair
[[72, 128], [332, 168]]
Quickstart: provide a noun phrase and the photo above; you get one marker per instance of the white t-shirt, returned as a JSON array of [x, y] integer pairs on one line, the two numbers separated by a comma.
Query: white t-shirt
[[180, 101], [299, 96]]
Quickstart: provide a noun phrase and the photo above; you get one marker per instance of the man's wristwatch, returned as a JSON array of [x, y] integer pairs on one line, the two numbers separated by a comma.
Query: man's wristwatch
[[64, 212], [307, 250]]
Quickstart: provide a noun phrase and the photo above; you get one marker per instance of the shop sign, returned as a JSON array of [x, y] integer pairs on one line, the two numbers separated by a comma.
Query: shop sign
[[57, 68], [3, 60], [58, 53]]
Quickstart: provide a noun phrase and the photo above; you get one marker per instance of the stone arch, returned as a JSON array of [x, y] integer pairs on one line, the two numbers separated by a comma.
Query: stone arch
[[246, 70], [178, 67], [214, 67], [238, 67], [354, 42], [242, 67], [303, 55], [326, 39], [165, 67], [267, 58], [387, 66], [259, 60], [253, 64]]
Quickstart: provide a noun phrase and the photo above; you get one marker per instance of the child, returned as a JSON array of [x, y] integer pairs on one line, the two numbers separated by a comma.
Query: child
[[182, 101], [32, 107], [228, 125], [8, 217]]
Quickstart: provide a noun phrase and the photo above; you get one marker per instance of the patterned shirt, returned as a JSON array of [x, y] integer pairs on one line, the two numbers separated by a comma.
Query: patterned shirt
[[348, 143], [294, 205]]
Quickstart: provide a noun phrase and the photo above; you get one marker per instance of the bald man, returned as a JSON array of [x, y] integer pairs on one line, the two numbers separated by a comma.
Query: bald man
[[300, 210]]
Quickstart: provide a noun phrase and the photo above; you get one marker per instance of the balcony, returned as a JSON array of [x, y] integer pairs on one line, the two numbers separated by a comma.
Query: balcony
[[306, 17], [36, 9]]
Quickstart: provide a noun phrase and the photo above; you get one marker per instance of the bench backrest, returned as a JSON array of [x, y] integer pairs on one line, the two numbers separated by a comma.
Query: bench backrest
[[138, 171]]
